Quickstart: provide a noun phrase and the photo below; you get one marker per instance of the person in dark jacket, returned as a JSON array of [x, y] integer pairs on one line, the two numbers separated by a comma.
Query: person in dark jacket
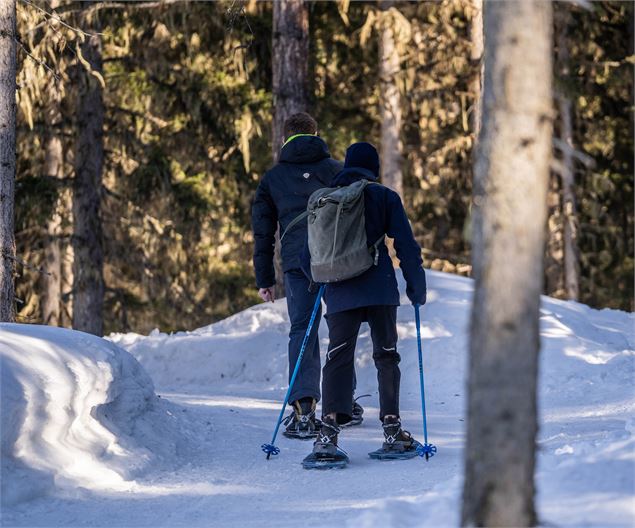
[[372, 296], [304, 165]]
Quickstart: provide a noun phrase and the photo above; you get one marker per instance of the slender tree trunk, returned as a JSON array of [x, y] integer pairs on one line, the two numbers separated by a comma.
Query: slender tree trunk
[[390, 101], [476, 56], [88, 286], [53, 168], [7, 156], [512, 169], [571, 265], [290, 81]]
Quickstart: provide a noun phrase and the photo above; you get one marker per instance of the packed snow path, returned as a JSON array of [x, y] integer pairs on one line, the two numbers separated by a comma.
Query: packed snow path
[[230, 379]]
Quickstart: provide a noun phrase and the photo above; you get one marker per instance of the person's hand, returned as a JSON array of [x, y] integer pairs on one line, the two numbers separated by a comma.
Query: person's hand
[[267, 294]]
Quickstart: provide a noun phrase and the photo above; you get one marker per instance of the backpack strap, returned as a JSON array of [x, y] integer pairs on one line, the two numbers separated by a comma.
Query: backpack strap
[[293, 222], [375, 248]]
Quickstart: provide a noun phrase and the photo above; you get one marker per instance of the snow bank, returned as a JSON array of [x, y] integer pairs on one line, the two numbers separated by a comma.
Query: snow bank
[[77, 412]]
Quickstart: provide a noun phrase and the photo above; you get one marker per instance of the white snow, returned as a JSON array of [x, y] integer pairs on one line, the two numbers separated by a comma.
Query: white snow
[[232, 374]]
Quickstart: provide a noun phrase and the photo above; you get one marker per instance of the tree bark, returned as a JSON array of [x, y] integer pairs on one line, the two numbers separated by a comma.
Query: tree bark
[[54, 169], [290, 64], [390, 150], [511, 174], [7, 157], [290, 82], [476, 56], [570, 220], [88, 284]]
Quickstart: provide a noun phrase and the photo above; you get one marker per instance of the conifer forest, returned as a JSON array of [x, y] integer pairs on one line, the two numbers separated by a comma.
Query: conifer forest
[[144, 127]]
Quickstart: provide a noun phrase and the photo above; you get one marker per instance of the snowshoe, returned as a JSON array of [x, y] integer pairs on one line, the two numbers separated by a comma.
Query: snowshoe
[[301, 423], [357, 416], [398, 444], [326, 454]]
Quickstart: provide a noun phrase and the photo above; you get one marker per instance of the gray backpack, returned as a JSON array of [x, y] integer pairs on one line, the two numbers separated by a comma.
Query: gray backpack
[[337, 233]]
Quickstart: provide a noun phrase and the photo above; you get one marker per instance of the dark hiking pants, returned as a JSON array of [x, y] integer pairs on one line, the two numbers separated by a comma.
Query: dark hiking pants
[[338, 371], [300, 304]]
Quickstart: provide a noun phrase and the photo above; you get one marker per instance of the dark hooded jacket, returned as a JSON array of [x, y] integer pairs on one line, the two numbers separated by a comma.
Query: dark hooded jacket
[[384, 214], [305, 165]]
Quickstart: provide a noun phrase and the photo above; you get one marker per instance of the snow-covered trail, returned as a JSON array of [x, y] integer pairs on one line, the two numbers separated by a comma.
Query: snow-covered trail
[[233, 375]]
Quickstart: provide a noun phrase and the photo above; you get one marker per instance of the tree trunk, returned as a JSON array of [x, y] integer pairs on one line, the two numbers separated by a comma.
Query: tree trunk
[[88, 285], [54, 169], [570, 220], [476, 56], [290, 81], [511, 174], [390, 101], [7, 156], [290, 64]]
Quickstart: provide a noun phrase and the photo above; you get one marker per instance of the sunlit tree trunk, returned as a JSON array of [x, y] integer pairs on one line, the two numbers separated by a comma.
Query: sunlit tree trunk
[[7, 156], [88, 288], [570, 219], [290, 81], [476, 56], [390, 100], [53, 169], [512, 168]]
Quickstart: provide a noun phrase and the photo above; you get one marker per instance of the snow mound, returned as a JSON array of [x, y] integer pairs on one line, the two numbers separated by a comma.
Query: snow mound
[[78, 412]]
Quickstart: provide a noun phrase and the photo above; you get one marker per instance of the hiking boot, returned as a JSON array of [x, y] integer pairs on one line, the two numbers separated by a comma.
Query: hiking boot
[[398, 444], [357, 415], [326, 454], [395, 438], [301, 423]]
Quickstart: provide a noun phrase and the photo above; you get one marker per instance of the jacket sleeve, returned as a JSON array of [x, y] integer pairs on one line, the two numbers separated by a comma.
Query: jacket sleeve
[[264, 221], [408, 251]]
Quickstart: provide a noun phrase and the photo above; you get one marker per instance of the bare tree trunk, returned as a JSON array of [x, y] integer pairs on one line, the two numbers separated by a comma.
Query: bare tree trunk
[[390, 101], [53, 168], [88, 287], [512, 169], [571, 265], [290, 81], [290, 64], [7, 157], [476, 56]]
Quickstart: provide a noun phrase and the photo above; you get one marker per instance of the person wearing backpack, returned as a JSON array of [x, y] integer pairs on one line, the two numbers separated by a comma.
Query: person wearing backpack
[[360, 288], [304, 165]]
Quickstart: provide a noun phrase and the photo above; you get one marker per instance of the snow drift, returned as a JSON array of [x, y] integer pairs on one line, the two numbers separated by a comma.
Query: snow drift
[[77, 412]]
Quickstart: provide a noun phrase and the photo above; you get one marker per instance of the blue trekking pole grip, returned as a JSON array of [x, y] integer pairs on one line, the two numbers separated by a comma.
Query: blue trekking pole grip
[[426, 450], [271, 448]]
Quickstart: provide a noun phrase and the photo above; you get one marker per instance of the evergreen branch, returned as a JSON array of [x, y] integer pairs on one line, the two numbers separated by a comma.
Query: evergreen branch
[[58, 19], [37, 61], [17, 259]]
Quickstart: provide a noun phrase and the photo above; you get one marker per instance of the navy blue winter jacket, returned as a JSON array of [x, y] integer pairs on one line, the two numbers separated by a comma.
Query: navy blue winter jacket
[[305, 165], [384, 214]]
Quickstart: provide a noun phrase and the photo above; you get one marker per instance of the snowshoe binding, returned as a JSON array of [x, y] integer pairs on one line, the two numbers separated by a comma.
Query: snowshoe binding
[[326, 454], [357, 416], [398, 444], [301, 423]]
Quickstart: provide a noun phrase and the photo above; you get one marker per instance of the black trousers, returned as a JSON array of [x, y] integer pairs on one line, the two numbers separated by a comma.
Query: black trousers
[[337, 373]]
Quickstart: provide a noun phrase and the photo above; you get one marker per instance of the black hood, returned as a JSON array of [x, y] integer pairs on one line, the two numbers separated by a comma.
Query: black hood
[[351, 175], [304, 149]]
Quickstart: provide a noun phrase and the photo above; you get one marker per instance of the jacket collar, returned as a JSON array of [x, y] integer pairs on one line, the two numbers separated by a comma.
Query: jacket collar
[[304, 149], [351, 175]]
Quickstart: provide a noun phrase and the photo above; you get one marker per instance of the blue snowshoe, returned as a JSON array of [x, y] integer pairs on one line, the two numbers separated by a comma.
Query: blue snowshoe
[[326, 454], [398, 444]]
